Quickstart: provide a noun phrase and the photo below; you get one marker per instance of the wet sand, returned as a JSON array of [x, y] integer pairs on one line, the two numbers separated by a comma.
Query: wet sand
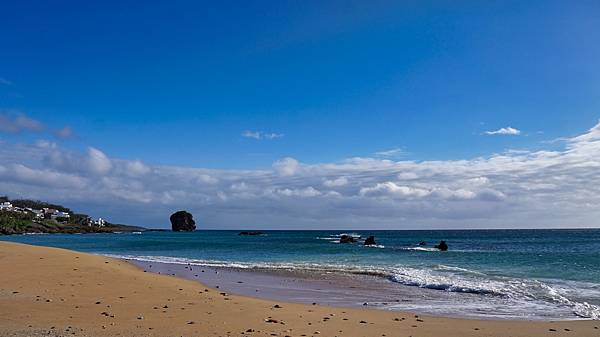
[[56, 292], [351, 290]]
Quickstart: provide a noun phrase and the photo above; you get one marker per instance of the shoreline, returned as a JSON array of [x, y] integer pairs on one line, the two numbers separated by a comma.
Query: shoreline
[[57, 292], [339, 290]]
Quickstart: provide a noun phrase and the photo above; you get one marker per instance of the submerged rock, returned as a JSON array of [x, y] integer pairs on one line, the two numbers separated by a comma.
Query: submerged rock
[[442, 246], [422, 243], [182, 221], [370, 241]]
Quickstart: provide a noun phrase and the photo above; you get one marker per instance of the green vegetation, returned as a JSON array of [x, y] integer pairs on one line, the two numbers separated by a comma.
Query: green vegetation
[[36, 204], [16, 222], [79, 219]]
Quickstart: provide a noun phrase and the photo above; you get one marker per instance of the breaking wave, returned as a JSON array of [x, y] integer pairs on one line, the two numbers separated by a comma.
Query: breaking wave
[[420, 249], [438, 277]]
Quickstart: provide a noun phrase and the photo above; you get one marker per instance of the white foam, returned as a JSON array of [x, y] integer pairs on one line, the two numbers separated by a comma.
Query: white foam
[[523, 292], [420, 249], [519, 290], [457, 269], [354, 235]]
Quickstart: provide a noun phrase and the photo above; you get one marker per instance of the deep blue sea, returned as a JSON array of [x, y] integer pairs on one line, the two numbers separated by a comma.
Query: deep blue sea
[[529, 271]]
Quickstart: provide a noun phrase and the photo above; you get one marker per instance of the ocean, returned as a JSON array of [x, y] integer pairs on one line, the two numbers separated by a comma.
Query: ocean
[[526, 274]]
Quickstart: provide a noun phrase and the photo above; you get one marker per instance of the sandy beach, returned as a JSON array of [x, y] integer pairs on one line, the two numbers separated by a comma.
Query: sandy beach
[[56, 292]]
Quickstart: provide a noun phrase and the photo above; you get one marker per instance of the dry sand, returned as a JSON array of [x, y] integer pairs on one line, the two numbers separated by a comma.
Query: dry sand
[[56, 292]]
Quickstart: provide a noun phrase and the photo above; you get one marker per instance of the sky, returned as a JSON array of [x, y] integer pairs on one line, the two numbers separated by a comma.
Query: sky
[[305, 114]]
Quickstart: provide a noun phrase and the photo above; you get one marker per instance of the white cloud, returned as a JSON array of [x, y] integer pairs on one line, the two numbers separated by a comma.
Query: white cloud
[[94, 162], [547, 188], [97, 162], [303, 192], [207, 179], [137, 168], [286, 166], [341, 181], [38, 177], [407, 176], [258, 135], [390, 153], [272, 135], [64, 133], [390, 189], [15, 122], [478, 181], [239, 187], [491, 195], [252, 134], [505, 131], [46, 144]]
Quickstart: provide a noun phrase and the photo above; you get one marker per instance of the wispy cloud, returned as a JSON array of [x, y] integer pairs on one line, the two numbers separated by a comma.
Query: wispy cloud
[[15, 122], [4, 81], [508, 131], [64, 133], [395, 152], [510, 189], [555, 140], [251, 134], [261, 135]]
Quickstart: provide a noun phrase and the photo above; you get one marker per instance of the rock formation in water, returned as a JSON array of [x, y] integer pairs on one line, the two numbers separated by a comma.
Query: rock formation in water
[[182, 221], [347, 239], [370, 241], [442, 246], [251, 233]]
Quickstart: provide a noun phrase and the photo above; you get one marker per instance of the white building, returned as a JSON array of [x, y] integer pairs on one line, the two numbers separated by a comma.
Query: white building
[[100, 222], [59, 214], [54, 213], [38, 213], [6, 206]]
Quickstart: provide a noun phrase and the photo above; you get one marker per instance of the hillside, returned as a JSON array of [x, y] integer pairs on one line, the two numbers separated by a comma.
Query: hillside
[[31, 216]]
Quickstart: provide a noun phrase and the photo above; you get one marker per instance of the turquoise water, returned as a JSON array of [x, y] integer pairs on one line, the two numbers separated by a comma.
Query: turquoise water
[[532, 270]]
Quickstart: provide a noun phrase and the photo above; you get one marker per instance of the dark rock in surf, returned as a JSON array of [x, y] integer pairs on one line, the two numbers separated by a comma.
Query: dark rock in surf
[[422, 243], [347, 239], [442, 246], [370, 241], [182, 221], [251, 233]]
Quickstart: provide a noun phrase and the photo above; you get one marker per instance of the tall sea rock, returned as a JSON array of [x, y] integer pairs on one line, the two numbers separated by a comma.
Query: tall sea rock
[[182, 221]]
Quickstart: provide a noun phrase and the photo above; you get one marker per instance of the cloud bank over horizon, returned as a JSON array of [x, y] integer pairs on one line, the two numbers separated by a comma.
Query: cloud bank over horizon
[[514, 189]]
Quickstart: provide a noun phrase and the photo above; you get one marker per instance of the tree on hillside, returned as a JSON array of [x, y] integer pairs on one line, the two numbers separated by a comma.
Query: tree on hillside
[[36, 204]]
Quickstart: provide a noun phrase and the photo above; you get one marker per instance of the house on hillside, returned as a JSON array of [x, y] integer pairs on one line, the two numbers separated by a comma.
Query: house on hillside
[[37, 212], [60, 214], [98, 223], [6, 206], [50, 213]]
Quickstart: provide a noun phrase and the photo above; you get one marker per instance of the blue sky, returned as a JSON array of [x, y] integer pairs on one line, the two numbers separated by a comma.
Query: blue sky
[[240, 86]]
